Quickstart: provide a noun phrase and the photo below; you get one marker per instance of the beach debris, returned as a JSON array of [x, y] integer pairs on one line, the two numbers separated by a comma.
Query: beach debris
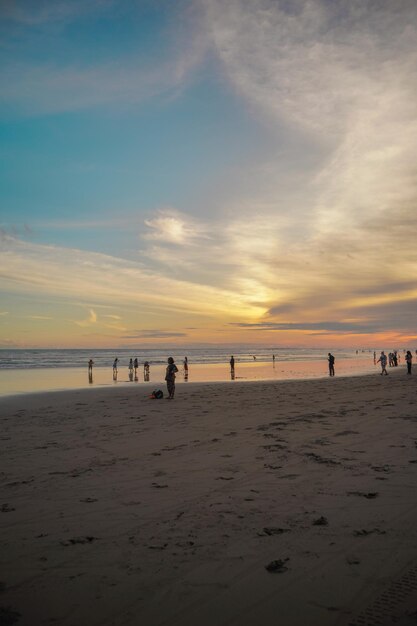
[[321, 521], [6, 508], [225, 478], [76, 540], [158, 486], [88, 500], [346, 432], [369, 496], [156, 547], [273, 530], [319, 459], [278, 566], [20, 482], [381, 468], [8, 616], [365, 533]]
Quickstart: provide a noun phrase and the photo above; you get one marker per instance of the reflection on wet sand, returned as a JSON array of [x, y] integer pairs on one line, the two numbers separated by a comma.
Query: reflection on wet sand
[[72, 378]]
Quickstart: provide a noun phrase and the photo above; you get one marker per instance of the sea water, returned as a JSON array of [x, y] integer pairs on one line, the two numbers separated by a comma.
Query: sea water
[[23, 371]]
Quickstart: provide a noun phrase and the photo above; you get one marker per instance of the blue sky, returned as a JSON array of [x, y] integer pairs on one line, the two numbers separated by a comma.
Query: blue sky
[[232, 171]]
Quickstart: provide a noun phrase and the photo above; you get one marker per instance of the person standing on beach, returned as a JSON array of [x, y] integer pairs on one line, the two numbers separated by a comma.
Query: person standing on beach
[[383, 360], [171, 370], [136, 365], [186, 368], [90, 366], [115, 362], [232, 363], [146, 371], [331, 360], [409, 361]]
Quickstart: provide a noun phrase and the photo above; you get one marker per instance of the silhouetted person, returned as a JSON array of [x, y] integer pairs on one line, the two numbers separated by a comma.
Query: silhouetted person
[[90, 366], [185, 368], [232, 363], [171, 370], [131, 367], [136, 365], [409, 361], [331, 360]]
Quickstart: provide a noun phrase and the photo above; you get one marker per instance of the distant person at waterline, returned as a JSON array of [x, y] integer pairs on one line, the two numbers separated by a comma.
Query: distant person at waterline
[[409, 361], [232, 363], [383, 360], [331, 360], [90, 366], [115, 362], [136, 365]]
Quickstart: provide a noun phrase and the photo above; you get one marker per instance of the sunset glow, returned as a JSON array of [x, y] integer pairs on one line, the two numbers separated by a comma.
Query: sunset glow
[[208, 172]]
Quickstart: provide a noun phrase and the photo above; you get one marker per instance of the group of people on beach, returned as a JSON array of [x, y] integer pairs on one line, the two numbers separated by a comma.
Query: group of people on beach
[[393, 359], [133, 366]]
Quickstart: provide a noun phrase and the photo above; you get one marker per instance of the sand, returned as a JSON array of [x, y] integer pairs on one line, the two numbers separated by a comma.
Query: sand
[[121, 510]]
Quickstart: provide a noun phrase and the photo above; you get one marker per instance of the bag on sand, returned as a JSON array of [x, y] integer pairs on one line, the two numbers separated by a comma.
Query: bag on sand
[[157, 394]]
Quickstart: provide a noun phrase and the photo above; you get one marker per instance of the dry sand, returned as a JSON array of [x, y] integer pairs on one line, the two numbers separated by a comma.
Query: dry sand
[[121, 510]]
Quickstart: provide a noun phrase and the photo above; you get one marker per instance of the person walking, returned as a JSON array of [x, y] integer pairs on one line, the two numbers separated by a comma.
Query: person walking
[[331, 361], [409, 361], [383, 360], [171, 370]]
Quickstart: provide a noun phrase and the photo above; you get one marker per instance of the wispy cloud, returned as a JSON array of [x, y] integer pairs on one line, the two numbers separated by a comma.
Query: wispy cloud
[[169, 226], [39, 317], [153, 334], [61, 83]]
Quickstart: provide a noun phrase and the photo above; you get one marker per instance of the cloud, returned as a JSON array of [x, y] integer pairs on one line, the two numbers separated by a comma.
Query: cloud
[[330, 327], [170, 226], [62, 83], [100, 279], [89, 321], [39, 317], [153, 334]]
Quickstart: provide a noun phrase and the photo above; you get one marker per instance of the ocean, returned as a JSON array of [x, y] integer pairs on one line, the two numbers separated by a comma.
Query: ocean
[[32, 371], [69, 358]]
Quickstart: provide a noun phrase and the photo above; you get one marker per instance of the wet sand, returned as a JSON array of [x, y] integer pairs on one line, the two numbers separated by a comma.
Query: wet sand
[[13, 381], [253, 503]]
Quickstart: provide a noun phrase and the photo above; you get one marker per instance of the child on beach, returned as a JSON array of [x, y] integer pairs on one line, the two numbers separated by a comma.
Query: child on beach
[[170, 377]]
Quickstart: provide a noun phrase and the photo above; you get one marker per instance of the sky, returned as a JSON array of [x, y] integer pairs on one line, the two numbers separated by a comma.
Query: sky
[[208, 171]]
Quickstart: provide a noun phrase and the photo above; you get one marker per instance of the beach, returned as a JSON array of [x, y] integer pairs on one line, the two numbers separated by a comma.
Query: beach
[[265, 502]]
